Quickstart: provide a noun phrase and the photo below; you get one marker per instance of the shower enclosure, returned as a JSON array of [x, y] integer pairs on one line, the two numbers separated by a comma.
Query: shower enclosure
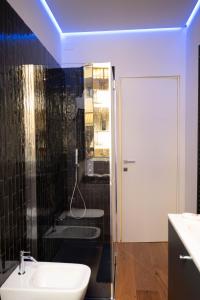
[[73, 167]]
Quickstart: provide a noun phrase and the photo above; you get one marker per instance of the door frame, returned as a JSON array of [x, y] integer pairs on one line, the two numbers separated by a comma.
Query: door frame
[[180, 205]]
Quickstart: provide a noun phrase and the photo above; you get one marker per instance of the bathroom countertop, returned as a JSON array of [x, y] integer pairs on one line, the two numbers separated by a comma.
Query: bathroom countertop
[[187, 227]]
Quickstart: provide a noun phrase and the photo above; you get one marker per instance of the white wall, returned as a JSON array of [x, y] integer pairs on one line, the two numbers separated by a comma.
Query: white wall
[[192, 42], [133, 54], [35, 16], [136, 54]]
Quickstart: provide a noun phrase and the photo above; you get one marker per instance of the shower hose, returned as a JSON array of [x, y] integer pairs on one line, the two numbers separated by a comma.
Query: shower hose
[[76, 187]]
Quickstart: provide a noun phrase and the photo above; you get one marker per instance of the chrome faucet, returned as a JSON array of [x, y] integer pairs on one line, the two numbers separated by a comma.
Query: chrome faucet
[[22, 257]]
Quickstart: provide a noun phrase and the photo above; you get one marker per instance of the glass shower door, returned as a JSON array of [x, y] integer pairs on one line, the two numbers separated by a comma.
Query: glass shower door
[[74, 173]]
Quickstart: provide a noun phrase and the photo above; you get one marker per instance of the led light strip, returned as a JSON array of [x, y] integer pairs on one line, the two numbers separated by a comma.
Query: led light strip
[[193, 14], [17, 36], [64, 34], [120, 31], [49, 12]]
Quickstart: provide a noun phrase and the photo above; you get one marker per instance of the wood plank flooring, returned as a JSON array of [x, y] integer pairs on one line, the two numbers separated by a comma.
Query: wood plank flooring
[[141, 272]]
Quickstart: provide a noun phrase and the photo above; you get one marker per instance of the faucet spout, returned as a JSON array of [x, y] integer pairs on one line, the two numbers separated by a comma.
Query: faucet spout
[[31, 258], [22, 258]]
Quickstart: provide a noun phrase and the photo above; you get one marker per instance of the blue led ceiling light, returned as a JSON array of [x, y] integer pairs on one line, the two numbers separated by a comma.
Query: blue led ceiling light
[[17, 37], [49, 12], [120, 31], [193, 14], [64, 34]]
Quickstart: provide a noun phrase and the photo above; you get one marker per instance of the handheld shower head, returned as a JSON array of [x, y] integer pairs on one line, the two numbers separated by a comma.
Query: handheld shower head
[[76, 188], [76, 157]]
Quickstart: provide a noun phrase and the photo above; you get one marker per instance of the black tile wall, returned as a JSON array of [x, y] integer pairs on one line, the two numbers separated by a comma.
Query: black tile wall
[[50, 160], [62, 133], [18, 47], [74, 123]]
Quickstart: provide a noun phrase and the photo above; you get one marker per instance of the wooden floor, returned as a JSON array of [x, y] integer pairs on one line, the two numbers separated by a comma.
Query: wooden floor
[[141, 271]]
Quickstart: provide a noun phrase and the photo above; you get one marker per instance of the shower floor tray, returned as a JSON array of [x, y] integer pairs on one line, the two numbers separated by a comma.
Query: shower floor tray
[[73, 232]]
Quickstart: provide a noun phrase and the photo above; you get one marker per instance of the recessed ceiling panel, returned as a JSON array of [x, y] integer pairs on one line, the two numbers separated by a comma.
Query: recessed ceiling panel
[[100, 15]]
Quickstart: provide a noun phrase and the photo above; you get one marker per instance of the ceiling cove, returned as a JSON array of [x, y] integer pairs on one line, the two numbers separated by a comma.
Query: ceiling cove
[[120, 31]]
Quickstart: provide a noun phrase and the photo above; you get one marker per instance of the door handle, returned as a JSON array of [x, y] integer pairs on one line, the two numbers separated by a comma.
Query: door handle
[[185, 257], [129, 161]]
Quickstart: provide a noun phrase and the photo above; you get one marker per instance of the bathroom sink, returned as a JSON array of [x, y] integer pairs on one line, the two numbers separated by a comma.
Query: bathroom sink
[[191, 225], [47, 281], [191, 216], [194, 229]]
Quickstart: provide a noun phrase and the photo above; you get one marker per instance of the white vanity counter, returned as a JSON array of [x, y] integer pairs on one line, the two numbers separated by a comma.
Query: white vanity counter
[[187, 227]]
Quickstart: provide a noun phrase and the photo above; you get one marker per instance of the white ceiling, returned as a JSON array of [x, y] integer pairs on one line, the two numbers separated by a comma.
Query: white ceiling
[[98, 15]]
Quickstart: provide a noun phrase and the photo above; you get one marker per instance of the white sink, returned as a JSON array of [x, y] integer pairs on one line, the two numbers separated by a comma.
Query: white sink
[[194, 229], [47, 281], [191, 216]]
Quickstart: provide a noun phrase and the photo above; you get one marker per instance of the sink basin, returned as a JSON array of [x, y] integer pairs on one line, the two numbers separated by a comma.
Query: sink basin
[[191, 216], [194, 229], [47, 281]]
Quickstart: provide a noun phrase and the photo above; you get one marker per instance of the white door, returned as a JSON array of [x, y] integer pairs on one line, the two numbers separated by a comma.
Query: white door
[[150, 156]]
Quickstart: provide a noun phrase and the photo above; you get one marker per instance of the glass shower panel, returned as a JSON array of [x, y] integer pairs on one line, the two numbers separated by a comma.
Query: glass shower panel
[[76, 225]]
